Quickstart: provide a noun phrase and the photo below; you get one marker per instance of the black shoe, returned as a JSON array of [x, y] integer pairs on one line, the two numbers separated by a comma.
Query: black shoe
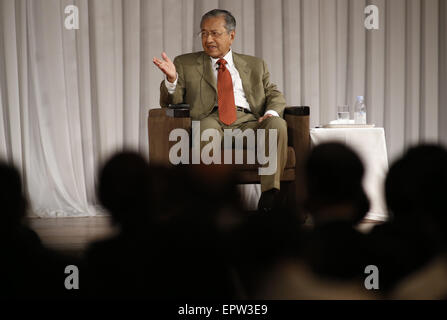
[[268, 201]]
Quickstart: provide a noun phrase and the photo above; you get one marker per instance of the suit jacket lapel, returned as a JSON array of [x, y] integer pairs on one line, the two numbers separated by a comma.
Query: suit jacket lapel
[[244, 73], [204, 68]]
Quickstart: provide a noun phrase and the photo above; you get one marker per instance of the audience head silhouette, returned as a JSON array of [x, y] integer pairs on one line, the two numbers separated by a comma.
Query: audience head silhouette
[[416, 185], [334, 175], [125, 189], [11, 197], [31, 270]]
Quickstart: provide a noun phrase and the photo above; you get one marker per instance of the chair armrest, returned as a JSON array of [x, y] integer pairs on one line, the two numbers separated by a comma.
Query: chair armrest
[[297, 110], [298, 131], [160, 126], [177, 113], [178, 110]]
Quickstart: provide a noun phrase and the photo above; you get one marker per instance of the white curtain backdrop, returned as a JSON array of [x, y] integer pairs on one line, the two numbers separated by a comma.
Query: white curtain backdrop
[[70, 98]]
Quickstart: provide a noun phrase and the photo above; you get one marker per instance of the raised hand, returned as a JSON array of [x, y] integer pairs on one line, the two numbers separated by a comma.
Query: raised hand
[[166, 66]]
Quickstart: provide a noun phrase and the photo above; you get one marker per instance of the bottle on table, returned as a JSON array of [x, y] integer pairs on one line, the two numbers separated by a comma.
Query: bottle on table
[[360, 111]]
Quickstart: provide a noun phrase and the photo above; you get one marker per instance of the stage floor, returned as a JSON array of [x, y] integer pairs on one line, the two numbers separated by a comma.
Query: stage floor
[[72, 235]]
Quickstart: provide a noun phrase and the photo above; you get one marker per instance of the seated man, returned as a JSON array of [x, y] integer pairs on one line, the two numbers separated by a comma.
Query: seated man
[[227, 90]]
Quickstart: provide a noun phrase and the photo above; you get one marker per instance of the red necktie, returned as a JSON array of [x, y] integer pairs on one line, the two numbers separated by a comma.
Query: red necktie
[[225, 94]]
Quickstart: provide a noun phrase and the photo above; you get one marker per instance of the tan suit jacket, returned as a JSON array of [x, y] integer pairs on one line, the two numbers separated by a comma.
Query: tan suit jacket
[[196, 85]]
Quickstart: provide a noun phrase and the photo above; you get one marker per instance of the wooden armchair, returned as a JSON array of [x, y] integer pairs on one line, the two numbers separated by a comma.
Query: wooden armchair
[[162, 121]]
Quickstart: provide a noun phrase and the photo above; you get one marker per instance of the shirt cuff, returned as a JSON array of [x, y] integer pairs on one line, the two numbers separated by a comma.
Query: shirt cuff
[[171, 86], [272, 112]]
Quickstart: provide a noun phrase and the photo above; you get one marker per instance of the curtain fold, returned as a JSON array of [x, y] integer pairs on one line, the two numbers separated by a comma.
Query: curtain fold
[[71, 98]]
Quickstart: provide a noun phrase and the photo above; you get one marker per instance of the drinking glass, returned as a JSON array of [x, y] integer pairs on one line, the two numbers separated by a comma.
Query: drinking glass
[[343, 114]]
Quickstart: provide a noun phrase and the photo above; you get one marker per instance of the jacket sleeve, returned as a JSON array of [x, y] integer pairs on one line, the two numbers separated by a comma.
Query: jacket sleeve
[[178, 95], [274, 99]]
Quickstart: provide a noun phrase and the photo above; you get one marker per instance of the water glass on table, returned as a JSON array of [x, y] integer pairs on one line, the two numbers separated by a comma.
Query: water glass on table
[[343, 114]]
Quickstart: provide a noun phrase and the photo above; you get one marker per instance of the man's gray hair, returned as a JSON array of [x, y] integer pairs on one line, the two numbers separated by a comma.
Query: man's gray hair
[[230, 21]]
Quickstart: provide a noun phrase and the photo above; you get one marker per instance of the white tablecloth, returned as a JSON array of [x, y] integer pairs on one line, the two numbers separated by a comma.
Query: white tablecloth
[[370, 145]]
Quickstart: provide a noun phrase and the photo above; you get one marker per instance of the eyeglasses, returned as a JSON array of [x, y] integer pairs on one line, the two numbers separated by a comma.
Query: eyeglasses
[[206, 34]]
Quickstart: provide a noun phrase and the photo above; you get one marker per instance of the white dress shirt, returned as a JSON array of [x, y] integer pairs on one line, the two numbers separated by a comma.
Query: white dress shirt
[[239, 95]]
